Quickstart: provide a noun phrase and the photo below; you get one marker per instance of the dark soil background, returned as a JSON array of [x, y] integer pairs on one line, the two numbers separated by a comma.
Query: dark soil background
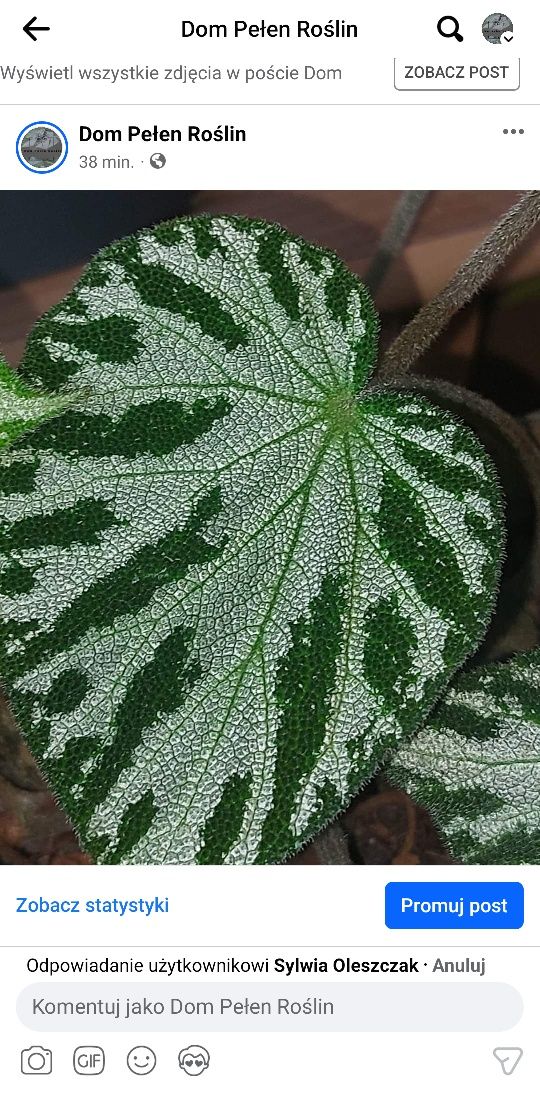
[[492, 348]]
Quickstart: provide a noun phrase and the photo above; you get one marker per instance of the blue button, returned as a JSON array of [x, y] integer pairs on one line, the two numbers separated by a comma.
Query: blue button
[[454, 905]]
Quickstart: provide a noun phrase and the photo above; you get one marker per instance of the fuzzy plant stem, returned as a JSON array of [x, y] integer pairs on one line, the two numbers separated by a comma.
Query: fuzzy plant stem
[[476, 272], [395, 235], [331, 846]]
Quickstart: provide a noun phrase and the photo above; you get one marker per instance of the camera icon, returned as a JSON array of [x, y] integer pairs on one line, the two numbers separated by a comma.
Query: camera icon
[[36, 1060]]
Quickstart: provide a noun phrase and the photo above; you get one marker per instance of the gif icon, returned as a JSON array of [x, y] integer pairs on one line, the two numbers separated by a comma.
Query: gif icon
[[89, 1059]]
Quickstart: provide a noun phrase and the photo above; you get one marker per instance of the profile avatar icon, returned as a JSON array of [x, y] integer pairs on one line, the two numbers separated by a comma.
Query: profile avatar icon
[[42, 147], [193, 1060], [498, 28]]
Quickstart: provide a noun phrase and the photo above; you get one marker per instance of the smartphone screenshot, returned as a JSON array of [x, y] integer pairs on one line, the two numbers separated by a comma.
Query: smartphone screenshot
[[269, 547]]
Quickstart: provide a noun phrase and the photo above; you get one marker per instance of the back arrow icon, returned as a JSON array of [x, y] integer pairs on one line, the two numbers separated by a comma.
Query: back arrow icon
[[29, 28]]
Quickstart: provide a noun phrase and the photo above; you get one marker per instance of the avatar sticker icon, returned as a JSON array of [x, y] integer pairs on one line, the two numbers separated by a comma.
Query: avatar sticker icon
[[42, 147], [194, 1060], [141, 1060]]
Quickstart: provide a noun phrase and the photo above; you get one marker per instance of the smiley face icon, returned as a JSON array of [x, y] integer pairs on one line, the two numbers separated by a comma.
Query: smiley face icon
[[141, 1060]]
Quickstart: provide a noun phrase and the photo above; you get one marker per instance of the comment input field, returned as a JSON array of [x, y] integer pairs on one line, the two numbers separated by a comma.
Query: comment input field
[[398, 1007]]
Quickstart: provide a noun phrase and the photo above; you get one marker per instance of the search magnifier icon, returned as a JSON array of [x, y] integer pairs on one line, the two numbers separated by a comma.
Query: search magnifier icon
[[448, 27]]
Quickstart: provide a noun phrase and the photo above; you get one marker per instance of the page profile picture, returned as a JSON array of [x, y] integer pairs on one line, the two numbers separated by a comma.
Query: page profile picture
[[42, 147]]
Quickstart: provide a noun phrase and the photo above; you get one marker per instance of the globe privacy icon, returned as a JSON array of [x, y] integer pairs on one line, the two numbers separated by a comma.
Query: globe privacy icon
[[508, 1057]]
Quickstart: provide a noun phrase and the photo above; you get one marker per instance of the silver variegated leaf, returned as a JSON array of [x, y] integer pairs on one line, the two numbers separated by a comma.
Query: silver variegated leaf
[[476, 764], [237, 575]]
